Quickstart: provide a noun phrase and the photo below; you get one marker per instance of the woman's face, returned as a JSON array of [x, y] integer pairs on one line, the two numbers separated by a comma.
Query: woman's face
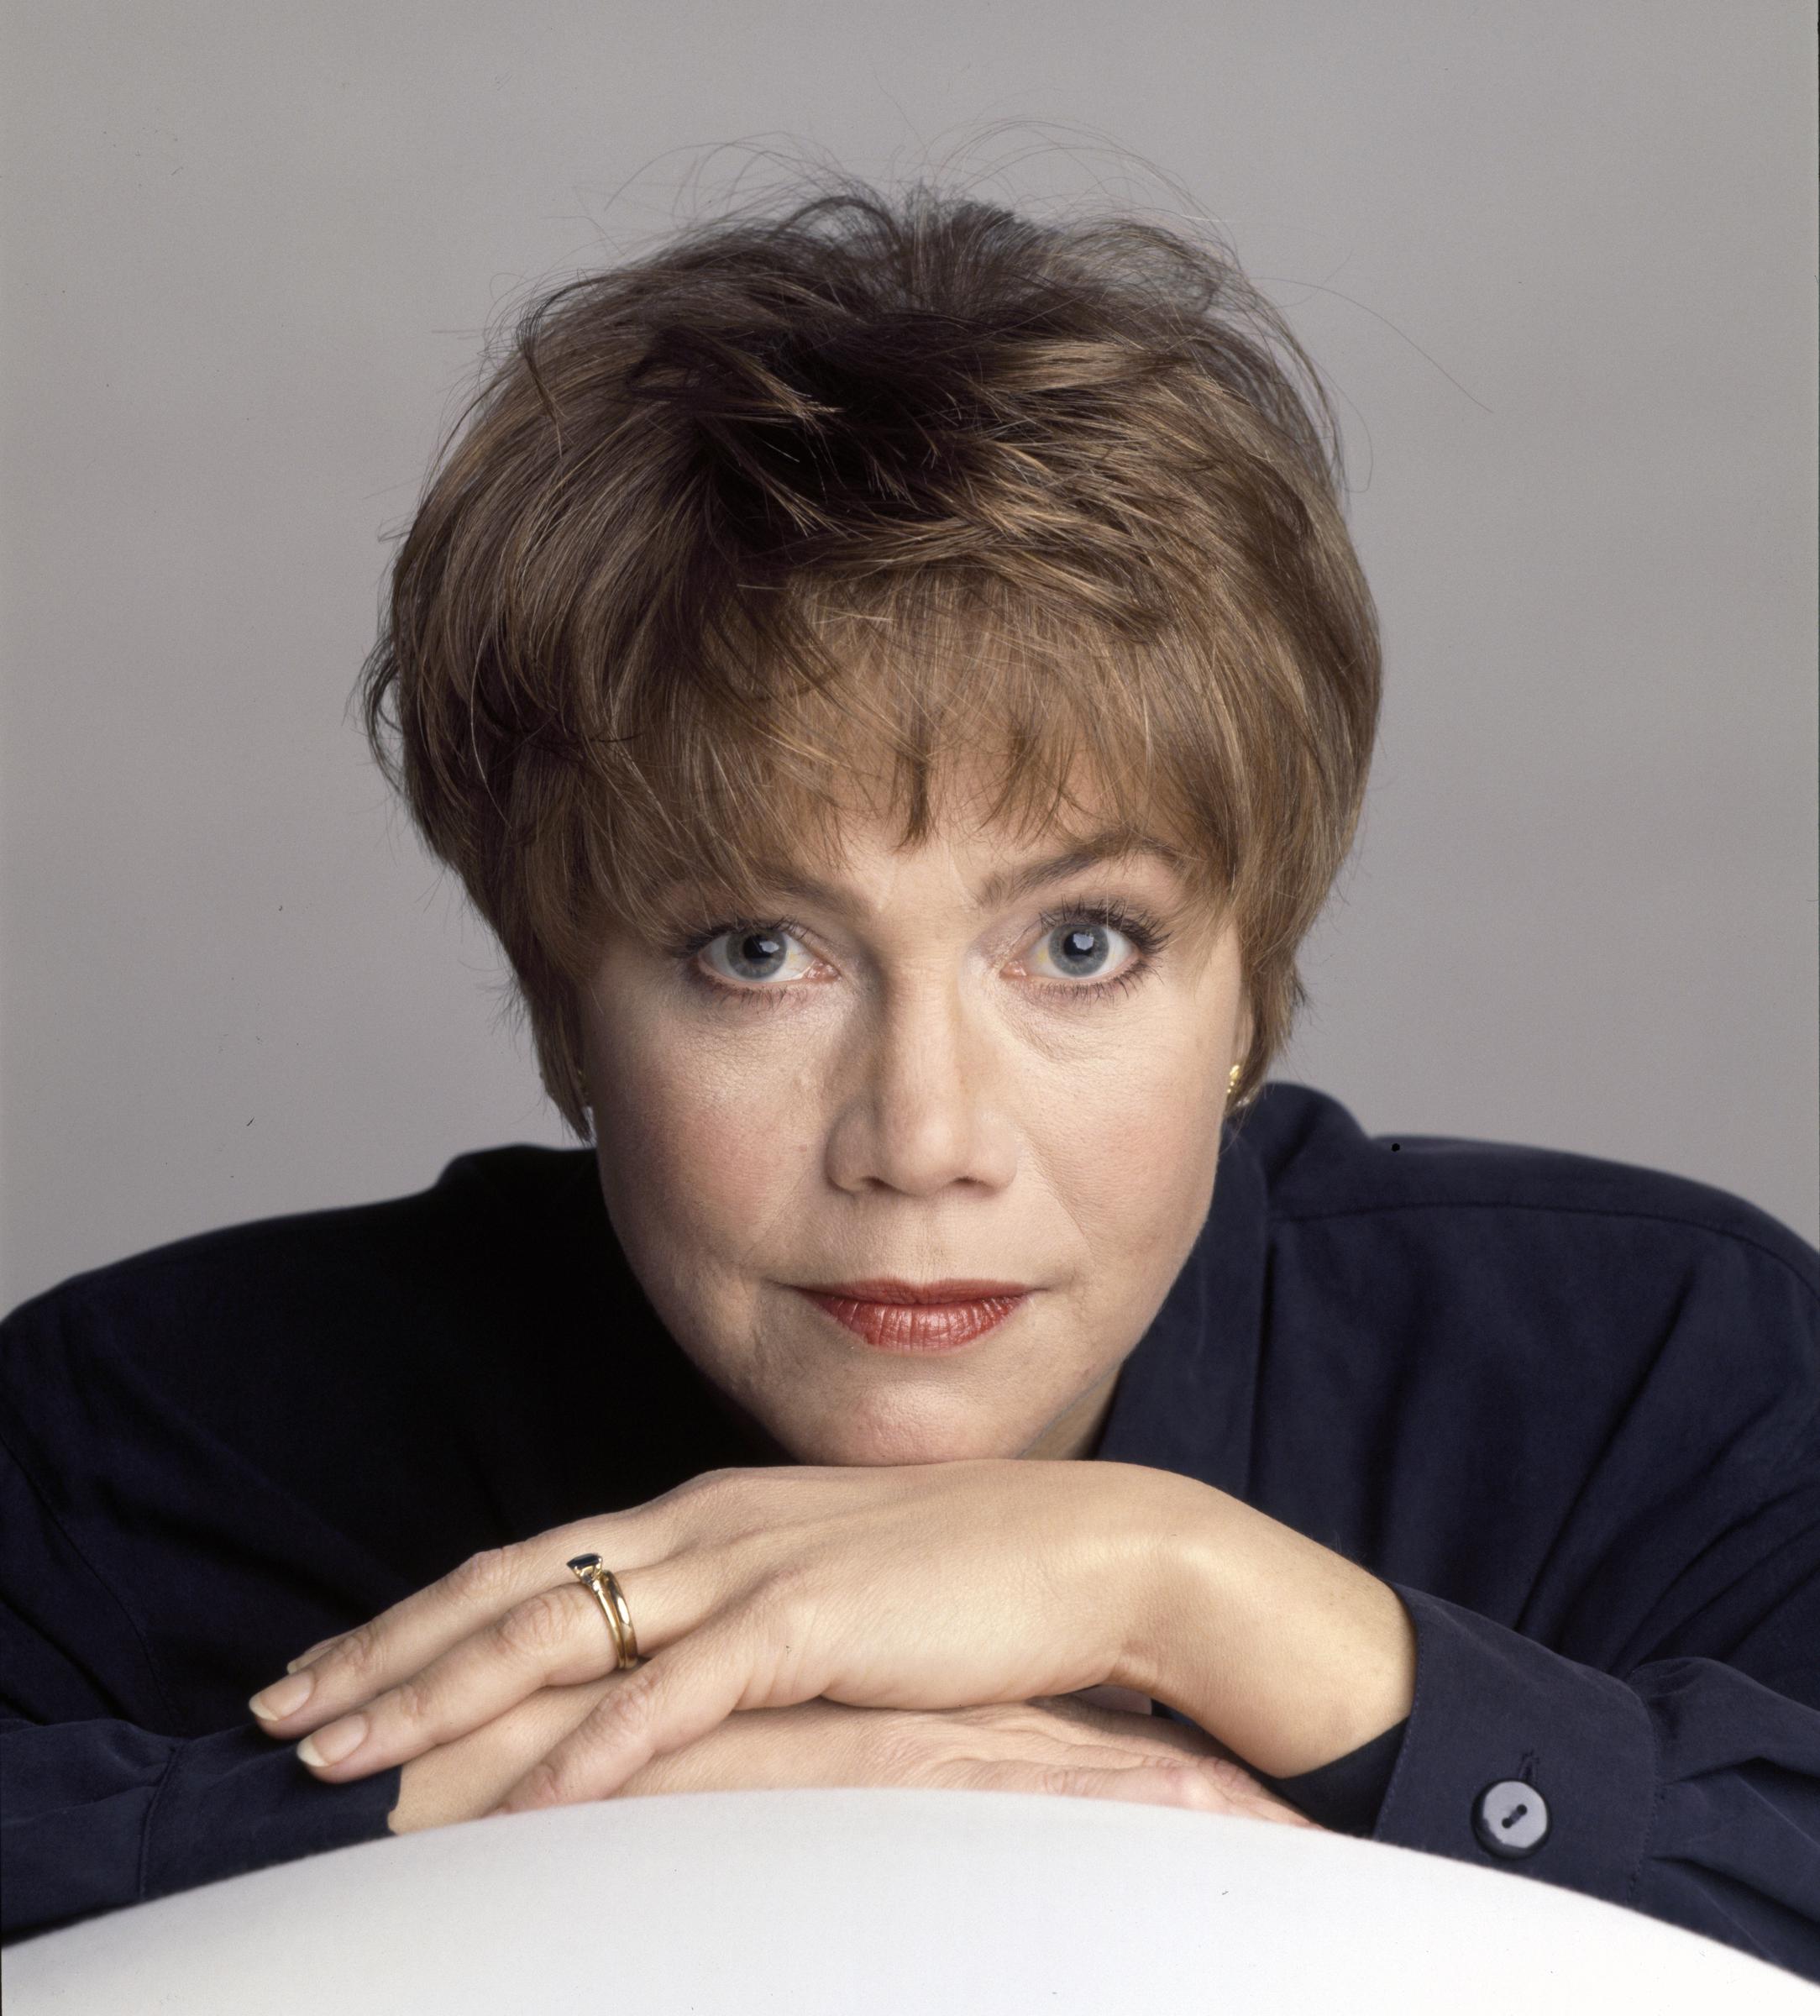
[[925, 1074]]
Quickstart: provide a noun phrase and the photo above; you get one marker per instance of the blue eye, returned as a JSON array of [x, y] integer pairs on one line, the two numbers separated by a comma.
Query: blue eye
[[1078, 938], [1081, 948], [754, 952], [1078, 935]]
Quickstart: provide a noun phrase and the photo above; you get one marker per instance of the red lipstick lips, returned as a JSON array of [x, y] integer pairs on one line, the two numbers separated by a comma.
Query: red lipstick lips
[[918, 1316]]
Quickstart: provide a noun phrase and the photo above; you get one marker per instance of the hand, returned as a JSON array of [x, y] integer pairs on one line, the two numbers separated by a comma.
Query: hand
[[929, 1586], [1061, 1745], [462, 1780], [1065, 1745]]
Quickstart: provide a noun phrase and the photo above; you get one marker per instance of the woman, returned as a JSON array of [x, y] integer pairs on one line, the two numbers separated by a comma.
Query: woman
[[896, 681]]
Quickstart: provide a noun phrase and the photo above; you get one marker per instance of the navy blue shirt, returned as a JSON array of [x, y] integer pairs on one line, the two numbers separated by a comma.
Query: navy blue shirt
[[1569, 1410]]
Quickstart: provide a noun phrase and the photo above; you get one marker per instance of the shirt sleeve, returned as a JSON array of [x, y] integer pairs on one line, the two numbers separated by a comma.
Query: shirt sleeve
[[1609, 1543], [110, 1793], [1344, 1796], [98, 1814], [1687, 1790], [1595, 1489]]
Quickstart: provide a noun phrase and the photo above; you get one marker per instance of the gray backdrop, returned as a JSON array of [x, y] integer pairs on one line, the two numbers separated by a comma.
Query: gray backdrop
[[1557, 260]]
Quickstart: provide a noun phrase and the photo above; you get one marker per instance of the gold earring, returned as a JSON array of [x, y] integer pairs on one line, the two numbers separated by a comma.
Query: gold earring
[[1232, 1080]]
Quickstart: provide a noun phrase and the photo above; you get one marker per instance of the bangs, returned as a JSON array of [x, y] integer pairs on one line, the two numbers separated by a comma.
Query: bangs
[[918, 700]]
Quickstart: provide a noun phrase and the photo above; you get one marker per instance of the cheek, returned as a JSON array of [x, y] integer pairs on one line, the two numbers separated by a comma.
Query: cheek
[[701, 1141], [1135, 1155]]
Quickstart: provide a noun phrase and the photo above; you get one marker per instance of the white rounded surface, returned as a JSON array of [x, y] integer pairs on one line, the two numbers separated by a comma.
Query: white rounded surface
[[887, 1901]]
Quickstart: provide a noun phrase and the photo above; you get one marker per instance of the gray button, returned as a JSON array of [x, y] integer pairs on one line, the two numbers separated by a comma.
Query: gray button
[[1510, 1819]]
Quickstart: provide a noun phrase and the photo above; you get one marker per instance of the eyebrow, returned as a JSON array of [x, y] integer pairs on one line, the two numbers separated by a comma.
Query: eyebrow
[[1006, 885]]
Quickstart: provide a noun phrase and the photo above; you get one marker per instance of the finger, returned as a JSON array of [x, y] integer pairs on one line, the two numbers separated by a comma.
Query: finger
[[461, 1780], [1144, 1784], [1187, 1737], [1167, 1740], [1243, 1794], [672, 1700], [552, 1638], [313, 1651], [403, 1640]]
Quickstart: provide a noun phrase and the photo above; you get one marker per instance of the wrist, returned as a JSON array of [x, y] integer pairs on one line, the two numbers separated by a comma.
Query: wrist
[[1288, 1653]]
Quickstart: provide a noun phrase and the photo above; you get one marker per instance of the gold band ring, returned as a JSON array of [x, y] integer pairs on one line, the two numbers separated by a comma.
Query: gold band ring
[[591, 1570]]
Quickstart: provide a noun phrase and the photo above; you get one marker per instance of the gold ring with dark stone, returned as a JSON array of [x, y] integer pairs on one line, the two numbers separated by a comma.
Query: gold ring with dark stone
[[591, 1570]]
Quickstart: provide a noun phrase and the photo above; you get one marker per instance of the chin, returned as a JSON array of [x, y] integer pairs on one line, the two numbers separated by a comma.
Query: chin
[[857, 1443]]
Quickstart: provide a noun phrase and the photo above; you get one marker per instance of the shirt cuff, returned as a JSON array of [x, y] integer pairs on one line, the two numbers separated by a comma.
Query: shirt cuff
[[234, 1802], [1345, 1796], [1516, 1755]]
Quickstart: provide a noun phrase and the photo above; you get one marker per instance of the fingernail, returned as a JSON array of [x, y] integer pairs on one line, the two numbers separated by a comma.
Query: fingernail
[[282, 1697], [338, 1741]]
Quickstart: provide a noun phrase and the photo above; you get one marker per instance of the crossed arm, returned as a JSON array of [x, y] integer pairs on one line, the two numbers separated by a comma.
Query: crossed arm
[[931, 1587]]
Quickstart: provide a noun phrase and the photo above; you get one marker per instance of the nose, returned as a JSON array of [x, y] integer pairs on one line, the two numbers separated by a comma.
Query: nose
[[930, 1098]]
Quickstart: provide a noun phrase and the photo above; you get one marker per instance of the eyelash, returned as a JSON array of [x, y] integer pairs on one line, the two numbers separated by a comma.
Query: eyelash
[[1144, 932]]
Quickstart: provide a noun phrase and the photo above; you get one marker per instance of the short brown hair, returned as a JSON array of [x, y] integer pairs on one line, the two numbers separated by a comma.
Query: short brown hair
[[918, 473]]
